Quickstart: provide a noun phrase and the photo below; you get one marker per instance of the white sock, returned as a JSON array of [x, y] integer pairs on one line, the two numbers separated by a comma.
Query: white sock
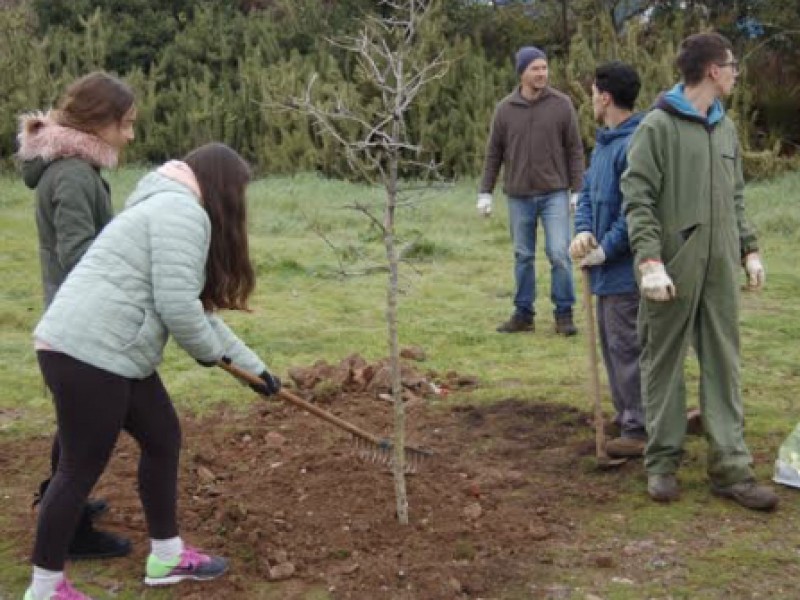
[[44, 582], [166, 550]]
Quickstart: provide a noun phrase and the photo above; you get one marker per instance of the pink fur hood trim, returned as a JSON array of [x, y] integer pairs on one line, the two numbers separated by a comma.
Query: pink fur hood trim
[[41, 137], [182, 173]]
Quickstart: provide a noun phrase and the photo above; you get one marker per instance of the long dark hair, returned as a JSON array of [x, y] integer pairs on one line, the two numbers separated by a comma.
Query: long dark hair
[[223, 176], [94, 101]]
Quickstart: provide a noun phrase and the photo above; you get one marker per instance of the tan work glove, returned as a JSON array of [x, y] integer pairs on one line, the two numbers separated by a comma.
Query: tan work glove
[[656, 284], [756, 276], [582, 244], [594, 258]]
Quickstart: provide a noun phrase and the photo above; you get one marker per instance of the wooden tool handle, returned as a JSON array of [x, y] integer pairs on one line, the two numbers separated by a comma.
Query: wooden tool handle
[[299, 402], [594, 375]]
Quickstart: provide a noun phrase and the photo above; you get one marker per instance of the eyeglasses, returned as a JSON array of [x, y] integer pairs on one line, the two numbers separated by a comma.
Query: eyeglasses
[[734, 64]]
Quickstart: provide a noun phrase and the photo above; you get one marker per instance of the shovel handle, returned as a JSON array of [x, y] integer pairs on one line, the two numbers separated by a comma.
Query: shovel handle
[[594, 375], [287, 396]]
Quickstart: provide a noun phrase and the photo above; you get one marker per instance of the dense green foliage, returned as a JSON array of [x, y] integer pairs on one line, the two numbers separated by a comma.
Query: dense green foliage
[[218, 70]]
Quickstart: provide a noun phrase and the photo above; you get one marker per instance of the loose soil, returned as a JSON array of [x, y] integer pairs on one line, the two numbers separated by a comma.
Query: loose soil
[[286, 497]]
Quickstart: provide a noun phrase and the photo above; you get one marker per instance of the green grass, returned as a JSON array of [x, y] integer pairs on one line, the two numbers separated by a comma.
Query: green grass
[[453, 296]]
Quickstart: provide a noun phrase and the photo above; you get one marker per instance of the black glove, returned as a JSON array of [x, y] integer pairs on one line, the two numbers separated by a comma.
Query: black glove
[[206, 363], [271, 385]]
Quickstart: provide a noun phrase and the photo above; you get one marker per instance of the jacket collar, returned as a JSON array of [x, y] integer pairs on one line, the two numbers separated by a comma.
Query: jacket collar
[[518, 98], [41, 137], [624, 129], [675, 103]]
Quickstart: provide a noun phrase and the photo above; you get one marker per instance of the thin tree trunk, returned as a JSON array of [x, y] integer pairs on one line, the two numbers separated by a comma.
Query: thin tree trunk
[[398, 463]]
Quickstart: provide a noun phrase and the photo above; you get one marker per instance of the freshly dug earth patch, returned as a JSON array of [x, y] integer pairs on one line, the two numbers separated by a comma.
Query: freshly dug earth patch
[[283, 495]]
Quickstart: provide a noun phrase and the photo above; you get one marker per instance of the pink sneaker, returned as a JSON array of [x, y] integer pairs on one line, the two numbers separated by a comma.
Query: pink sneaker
[[191, 564], [64, 591]]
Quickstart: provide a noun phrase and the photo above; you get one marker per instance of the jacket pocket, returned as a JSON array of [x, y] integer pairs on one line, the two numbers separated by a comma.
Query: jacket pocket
[[685, 258]]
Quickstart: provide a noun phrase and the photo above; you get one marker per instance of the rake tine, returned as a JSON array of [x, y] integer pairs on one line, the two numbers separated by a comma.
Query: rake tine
[[382, 453], [377, 450]]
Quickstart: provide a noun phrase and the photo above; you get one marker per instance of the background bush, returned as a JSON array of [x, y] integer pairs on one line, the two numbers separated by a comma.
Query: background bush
[[216, 70]]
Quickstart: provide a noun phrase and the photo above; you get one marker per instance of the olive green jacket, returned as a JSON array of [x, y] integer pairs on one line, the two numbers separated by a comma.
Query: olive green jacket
[[684, 172], [73, 202]]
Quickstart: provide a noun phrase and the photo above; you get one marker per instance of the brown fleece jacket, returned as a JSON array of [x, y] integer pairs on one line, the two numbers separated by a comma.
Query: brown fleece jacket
[[537, 143]]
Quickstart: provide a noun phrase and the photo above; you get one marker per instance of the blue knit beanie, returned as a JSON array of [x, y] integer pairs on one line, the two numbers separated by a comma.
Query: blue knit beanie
[[526, 55]]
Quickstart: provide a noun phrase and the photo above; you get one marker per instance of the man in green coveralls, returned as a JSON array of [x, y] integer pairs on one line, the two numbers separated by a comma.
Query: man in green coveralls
[[684, 204]]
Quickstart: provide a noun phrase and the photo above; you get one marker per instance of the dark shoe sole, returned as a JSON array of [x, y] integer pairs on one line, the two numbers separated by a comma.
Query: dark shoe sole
[[664, 498], [723, 493], [624, 453], [124, 549], [515, 327]]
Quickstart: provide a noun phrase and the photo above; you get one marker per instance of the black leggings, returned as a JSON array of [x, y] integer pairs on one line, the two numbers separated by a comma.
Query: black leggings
[[92, 407]]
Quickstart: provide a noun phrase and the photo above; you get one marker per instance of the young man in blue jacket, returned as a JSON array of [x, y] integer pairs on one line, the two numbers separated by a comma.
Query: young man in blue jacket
[[601, 245]]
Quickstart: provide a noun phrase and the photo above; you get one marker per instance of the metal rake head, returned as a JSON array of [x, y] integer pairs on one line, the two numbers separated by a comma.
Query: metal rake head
[[382, 453]]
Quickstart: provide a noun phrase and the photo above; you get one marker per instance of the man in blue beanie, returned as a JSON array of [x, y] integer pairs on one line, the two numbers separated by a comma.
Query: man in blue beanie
[[535, 138]]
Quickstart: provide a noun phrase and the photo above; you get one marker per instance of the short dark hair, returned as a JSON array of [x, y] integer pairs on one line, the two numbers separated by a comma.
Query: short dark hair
[[94, 101], [620, 80], [223, 176], [698, 51]]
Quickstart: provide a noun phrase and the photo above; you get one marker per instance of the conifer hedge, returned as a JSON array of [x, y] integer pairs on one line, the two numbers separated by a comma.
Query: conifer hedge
[[212, 71]]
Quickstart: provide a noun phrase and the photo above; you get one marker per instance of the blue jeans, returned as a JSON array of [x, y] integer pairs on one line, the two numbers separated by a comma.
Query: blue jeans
[[524, 213]]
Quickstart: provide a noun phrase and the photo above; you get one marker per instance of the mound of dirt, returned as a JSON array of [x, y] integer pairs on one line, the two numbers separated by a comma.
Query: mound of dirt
[[283, 495], [326, 382]]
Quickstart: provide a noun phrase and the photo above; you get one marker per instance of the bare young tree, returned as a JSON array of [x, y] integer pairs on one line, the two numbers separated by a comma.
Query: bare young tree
[[368, 121]]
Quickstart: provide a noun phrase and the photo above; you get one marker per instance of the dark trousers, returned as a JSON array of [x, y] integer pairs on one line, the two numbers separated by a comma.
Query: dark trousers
[[616, 319], [92, 407]]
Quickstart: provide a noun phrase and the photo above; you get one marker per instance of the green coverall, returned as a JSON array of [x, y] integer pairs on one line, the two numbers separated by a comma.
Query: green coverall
[[684, 204]]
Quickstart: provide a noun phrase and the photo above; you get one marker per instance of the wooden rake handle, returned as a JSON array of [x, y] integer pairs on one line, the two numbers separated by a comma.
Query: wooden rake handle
[[287, 396]]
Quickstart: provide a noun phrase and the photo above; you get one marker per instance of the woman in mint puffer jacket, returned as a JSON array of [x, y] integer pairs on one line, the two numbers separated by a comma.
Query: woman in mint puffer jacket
[[174, 256]]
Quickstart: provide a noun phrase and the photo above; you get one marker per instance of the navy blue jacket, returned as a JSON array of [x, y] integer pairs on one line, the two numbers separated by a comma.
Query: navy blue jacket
[[599, 209]]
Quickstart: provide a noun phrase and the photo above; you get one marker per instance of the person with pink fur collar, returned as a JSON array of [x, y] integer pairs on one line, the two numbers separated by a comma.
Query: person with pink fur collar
[[62, 152]]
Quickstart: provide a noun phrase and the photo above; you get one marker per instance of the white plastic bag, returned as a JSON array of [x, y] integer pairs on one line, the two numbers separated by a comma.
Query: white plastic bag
[[787, 466]]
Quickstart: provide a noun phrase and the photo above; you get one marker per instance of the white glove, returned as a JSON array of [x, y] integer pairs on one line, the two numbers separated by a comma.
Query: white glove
[[594, 258], [756, 276], [656, 284], [582, 244], [573, 201], [484, 205]]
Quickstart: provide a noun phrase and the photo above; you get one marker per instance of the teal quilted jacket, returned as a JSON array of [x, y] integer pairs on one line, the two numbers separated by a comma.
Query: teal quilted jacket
[[140, 282]]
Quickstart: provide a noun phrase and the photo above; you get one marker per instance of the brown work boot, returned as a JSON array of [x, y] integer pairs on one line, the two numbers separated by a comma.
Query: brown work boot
[[564, 325], [625, 447], [694, 422], [749, 494], [516, 324], [611, 428], [662, 487]]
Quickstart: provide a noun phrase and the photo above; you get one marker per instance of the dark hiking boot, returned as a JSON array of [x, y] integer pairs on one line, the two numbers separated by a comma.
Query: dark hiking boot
[[694, 422], [516, 324], [663, 487], [749, 494], [89, 543], [624, 447], [96, 508], [564, 325]]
